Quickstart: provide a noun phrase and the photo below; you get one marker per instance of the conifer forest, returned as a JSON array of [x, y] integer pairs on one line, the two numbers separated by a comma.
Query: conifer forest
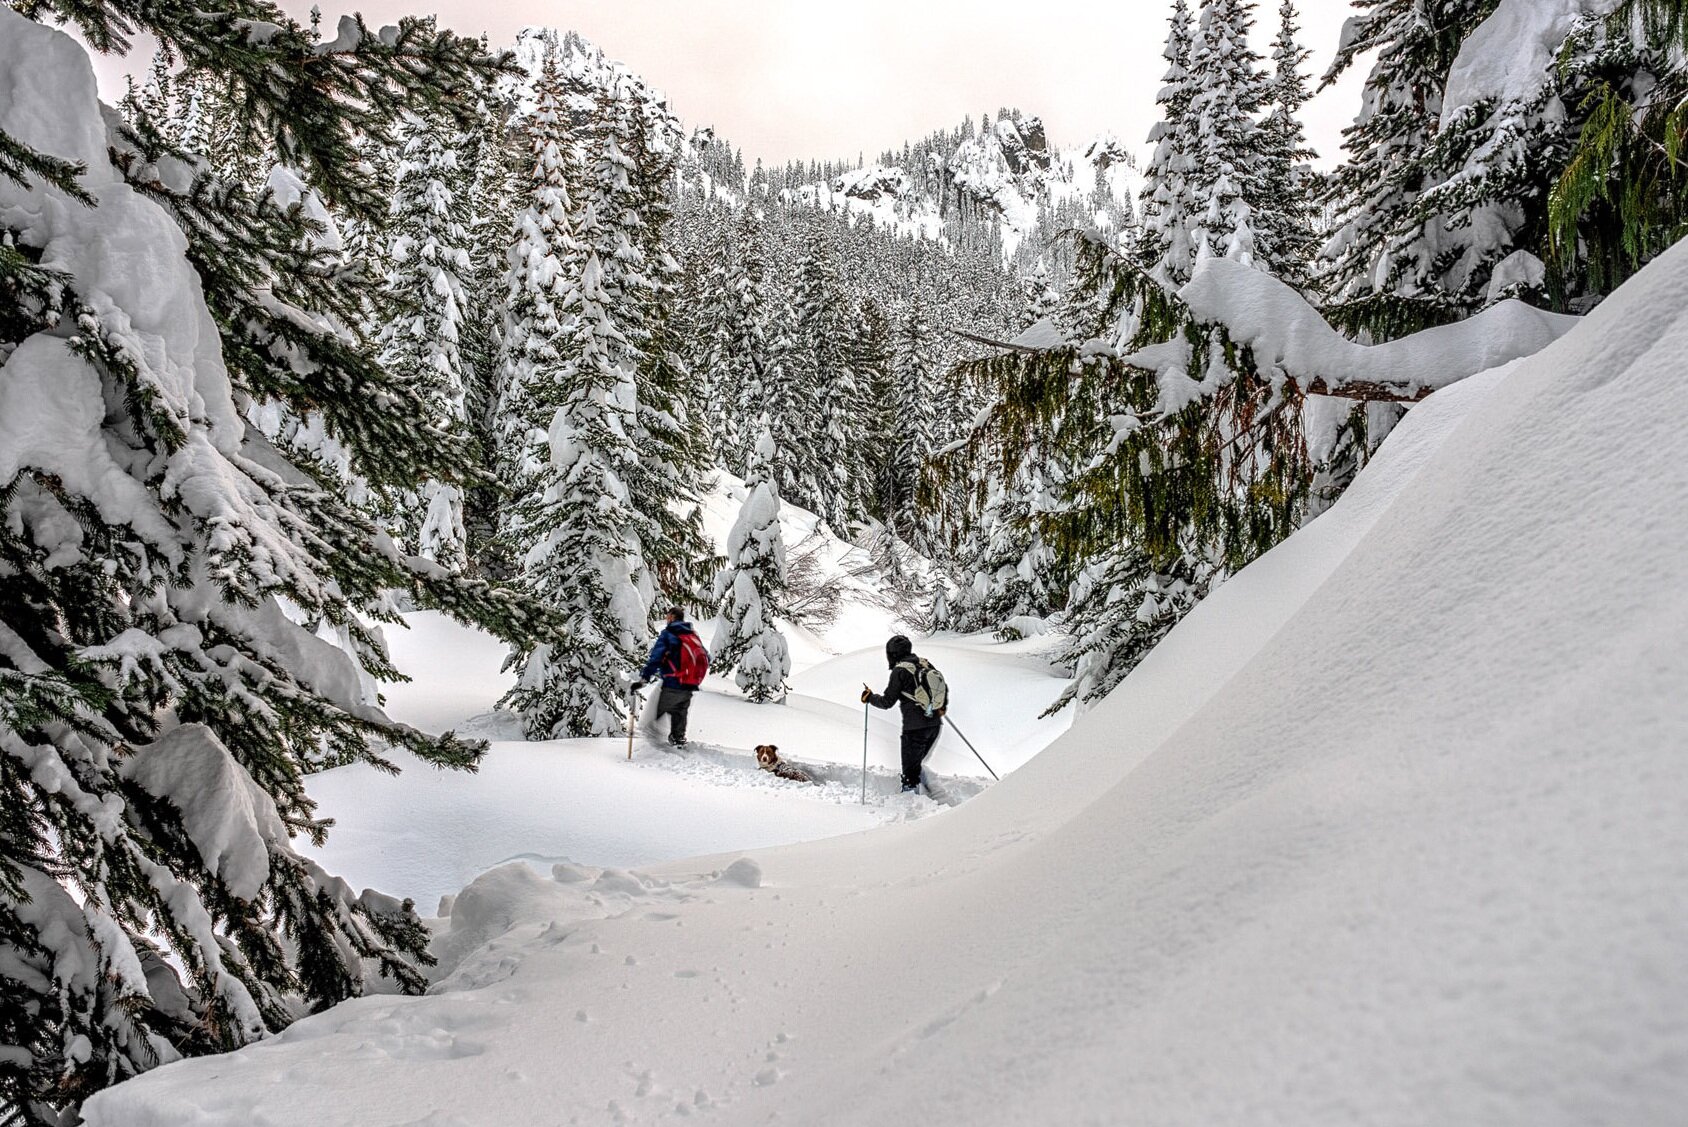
[[320, 334]]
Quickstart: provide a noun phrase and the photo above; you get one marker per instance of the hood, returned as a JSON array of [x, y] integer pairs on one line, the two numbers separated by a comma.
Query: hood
[[898, 649]]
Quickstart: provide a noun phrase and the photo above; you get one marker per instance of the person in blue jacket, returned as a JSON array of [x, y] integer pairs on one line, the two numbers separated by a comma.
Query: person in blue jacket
[[681, 661]]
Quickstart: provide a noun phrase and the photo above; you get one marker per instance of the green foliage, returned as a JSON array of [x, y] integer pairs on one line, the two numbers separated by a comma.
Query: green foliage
[[1225, 472], [1622, 197]]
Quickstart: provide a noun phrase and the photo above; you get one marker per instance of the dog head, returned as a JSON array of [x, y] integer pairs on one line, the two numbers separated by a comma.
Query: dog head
[[766, 756]]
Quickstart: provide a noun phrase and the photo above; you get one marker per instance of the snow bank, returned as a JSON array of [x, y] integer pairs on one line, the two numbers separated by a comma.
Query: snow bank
[[1388, 831], [1287, 333]]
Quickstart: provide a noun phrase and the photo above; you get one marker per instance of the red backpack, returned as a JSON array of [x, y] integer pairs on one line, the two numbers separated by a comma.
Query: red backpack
[[693, 662]]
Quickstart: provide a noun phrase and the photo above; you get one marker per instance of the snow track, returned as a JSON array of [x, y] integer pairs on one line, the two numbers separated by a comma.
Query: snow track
[[835, 783]]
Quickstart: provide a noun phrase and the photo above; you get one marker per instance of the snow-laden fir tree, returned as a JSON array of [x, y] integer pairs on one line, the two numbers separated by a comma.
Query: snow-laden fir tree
[[789, 402], [1120, 608], [542, 255], [738, 356], [673, 455], [751, 587], [1168, 207], [1620, 197], [911, 438], [1007, 570], [1382, 267], [570, 378], [1226, 90], [493, 187], [163, 688], [1042, 299], [427, 304], [1556, 169], [156, 101], [1285, 222], [833, 451], [871, 358]]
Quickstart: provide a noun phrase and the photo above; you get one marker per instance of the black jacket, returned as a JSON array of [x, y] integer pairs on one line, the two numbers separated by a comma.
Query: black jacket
[[901, 691]]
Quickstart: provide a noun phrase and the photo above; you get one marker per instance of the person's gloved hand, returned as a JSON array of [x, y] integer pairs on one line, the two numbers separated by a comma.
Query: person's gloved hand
[[867, 694]]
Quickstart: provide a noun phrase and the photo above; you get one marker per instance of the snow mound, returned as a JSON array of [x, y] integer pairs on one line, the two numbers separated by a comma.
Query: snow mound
[[1389, 831]]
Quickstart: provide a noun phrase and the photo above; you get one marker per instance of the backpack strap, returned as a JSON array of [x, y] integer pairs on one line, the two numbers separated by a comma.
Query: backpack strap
[[914, 675]]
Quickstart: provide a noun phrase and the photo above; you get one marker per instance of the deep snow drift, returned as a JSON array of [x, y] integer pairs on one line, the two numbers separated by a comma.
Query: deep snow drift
[[1390, 830]]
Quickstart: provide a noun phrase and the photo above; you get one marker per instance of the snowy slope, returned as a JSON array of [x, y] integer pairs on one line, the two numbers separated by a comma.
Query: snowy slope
[[1389, 831]]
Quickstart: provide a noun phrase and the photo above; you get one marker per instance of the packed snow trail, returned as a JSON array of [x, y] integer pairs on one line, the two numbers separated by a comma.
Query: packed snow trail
[[1389, 831]]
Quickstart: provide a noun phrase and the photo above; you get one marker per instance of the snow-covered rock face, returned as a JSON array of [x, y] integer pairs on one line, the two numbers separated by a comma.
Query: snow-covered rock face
[[1009, 172], [873, 183]]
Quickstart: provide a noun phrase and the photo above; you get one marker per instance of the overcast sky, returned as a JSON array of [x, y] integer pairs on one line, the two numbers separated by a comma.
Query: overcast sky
[[787, 79]]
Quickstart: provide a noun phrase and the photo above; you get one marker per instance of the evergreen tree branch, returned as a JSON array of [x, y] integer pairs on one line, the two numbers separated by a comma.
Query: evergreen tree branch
[[315, 100]]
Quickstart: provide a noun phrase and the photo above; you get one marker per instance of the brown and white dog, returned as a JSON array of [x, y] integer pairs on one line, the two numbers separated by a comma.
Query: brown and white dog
[[768, 758]]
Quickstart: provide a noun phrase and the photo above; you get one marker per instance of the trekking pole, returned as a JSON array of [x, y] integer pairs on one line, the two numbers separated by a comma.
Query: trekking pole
[[632, 715], [865, 707], [970, 746]]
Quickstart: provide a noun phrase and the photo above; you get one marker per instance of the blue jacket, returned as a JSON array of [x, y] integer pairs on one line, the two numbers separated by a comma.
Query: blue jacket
[[665, 655]]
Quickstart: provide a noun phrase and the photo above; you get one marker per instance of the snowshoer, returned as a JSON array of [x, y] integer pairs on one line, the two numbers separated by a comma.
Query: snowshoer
[[681, 661], [923, 719]]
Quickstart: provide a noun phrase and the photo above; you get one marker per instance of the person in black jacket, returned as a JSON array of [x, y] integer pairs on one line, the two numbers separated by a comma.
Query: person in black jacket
[[920, 731]]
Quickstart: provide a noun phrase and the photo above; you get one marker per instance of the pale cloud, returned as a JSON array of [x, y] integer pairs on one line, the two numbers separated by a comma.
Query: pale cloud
[[789, 80]]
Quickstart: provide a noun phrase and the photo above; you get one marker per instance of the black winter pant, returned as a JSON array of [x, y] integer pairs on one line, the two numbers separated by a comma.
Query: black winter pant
[[674, 704], [917, 745]]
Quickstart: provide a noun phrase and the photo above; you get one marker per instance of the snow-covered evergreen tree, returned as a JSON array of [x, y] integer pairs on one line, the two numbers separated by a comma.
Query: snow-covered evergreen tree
[[1382, 266], [1620, 197], [790, 402], [160, 697], [1007, 569], [491, 191], [739, 357], [871, 358], [1226, 91], [1287, 239], [1168, 207], [915, 390], [673, 457], [427, 304], [832, 452], [751, 587], [570, 382], [1120, 608]]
